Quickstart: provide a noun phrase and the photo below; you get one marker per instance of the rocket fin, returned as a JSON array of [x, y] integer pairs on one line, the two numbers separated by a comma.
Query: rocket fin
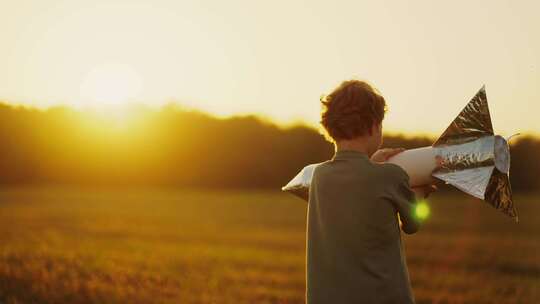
[[473, 181], [299, 185], [472, 122], [499, 194]]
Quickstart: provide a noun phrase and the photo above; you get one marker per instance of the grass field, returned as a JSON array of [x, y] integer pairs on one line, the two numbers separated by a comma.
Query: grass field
[[81, 246]]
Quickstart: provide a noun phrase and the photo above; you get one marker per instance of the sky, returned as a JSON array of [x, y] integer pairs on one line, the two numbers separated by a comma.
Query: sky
[[276, 58]]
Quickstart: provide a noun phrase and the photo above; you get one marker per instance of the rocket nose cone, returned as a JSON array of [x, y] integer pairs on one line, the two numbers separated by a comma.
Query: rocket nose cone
[[502, 154]]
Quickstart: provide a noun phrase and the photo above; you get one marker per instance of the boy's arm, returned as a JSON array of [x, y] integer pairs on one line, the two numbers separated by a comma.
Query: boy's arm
[[419, 193], [404, 200]]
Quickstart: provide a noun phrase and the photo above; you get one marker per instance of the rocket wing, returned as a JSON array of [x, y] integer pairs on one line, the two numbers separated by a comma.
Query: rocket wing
[[472, 122], [499, 194]]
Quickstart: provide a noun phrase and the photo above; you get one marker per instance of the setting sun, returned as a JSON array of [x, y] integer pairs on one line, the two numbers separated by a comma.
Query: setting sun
[[110, 86]]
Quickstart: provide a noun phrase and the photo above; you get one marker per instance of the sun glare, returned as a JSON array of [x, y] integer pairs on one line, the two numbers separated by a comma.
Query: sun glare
[[110, 86], [109, 90]]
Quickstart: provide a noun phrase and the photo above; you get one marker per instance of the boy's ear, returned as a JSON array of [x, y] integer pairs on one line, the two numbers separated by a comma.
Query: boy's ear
[[374, 128]]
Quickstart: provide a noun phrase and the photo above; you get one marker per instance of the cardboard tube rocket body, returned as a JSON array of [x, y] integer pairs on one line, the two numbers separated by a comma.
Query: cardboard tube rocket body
[[418, 163]]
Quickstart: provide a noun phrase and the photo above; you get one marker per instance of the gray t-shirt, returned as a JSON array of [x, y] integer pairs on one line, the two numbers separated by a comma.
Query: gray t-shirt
[[354, 248]]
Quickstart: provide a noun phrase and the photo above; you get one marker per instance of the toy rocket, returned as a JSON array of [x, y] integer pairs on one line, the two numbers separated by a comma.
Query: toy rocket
[[475, 160]]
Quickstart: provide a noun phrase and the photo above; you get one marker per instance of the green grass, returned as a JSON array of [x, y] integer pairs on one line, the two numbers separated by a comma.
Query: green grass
[[81, 246]]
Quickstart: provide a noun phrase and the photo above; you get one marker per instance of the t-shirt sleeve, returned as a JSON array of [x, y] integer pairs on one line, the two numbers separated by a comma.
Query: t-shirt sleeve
[[403, 198]]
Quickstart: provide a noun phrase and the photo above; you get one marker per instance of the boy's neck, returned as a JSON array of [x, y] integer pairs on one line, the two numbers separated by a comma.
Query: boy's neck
[[357, 144]]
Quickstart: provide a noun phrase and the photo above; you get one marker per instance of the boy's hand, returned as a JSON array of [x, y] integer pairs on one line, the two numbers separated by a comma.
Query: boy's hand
[[382, 155], [440, 162], [424, 191]]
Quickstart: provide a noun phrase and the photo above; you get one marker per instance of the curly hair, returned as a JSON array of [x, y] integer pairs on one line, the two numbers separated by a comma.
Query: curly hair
[[351, 110]]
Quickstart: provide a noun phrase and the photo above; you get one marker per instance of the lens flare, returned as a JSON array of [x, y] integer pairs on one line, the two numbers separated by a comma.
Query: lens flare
[[422, 210]]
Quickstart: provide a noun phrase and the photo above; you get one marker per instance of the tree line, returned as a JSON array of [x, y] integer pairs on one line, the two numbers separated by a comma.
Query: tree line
[[175, 147]]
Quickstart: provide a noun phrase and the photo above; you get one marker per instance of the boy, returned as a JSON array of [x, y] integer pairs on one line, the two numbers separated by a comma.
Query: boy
[[354, 250]]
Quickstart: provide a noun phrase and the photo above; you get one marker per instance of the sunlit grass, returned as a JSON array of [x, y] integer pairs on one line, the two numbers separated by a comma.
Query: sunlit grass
[[82, 246]]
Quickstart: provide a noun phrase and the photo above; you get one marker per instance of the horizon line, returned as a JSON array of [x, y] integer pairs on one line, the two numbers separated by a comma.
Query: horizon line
[[181, 107]]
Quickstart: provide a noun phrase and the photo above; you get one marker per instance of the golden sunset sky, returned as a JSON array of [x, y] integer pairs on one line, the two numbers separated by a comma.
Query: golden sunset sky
[[276, 58]]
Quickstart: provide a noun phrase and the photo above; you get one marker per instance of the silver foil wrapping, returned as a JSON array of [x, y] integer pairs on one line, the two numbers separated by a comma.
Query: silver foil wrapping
[[476, 160]]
